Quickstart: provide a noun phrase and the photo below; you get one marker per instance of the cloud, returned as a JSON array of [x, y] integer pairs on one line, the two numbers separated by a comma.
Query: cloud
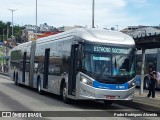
[[139, 3], [74, 12]]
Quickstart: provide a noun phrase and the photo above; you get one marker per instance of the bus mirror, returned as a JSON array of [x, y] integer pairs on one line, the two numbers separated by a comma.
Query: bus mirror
[[35, 66]]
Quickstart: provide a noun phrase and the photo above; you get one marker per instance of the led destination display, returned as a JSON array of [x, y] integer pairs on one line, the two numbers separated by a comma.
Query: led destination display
[[111, 50], [107, 49]]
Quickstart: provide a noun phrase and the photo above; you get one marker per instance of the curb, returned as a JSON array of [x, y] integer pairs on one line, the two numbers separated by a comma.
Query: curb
[[139, 106], [5, 74]]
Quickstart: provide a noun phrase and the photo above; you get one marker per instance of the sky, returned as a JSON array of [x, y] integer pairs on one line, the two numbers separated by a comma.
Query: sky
[[57, 13]]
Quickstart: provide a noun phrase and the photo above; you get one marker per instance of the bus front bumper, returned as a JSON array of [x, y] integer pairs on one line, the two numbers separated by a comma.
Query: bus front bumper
[[88, 92]]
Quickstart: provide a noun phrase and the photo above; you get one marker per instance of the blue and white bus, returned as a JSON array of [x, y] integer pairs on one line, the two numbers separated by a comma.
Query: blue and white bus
[[152, 58], [84, 64]]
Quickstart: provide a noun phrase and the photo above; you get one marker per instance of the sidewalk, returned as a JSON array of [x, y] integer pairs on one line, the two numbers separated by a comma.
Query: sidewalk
[[142, 102]]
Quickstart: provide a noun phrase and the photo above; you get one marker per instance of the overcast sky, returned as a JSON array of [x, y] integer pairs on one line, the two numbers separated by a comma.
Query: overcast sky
[[108, 13]]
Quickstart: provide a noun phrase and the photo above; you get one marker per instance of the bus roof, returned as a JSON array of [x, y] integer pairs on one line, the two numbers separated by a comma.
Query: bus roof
[[93, 35], [22, 45]]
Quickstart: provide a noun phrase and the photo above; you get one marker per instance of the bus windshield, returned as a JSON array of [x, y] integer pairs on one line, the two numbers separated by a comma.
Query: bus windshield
[[108, 67], [96, 63], [123, 65]]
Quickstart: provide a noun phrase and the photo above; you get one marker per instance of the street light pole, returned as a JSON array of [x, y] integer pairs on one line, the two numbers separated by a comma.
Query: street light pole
[[12, 10], [93, 14], [3, 34], [3, 52]]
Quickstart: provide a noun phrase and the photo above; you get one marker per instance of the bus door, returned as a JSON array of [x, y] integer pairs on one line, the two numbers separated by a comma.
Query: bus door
[[24, 66], [45, 73], [73, 70]]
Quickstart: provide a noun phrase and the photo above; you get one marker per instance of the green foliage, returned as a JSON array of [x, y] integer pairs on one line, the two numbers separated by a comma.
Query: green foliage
[[6, 29]]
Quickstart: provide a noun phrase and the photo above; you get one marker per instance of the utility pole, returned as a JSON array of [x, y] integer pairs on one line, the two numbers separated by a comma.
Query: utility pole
[[93, 14], [3, 34], [12, 10], [7, 29], [142, 72], [3, 52]]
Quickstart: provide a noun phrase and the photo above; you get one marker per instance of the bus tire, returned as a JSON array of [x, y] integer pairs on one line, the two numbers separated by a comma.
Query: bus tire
[[15, 82], [108, 102], [146, 83], [39, 87], [14, 76], [16, 79], [64, 95]]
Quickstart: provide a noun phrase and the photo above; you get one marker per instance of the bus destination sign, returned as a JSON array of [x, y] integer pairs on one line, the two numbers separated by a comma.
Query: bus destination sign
[[106, 49]]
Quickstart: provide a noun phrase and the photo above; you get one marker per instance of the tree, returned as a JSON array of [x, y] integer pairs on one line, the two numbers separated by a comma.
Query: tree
[[2, 28], [6, 31], [18, 33]]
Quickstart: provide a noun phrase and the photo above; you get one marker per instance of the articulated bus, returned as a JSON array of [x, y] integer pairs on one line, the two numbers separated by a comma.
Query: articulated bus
[[152, 58], [83, 64]]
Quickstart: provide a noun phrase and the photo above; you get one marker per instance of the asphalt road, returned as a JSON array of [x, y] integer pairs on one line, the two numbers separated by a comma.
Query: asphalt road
[[21, 98]]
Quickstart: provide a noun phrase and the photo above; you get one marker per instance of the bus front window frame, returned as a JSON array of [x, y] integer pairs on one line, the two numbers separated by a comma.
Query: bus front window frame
[[107, 78]]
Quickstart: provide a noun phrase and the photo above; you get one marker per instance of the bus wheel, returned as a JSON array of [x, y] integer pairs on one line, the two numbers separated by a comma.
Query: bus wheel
[[39, 87], [64, 95], [14, 76], [108, 102], [16, 80], [146, 83]]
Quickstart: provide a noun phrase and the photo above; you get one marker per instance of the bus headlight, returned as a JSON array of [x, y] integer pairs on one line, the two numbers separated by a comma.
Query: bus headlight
[[132, 84], [86, 81]]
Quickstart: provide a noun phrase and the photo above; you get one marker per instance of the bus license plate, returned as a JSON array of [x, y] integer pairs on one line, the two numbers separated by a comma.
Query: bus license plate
[[110, 97]]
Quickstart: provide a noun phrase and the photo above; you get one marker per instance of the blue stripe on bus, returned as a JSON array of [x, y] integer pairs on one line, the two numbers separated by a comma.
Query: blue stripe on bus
[[97, 84]]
